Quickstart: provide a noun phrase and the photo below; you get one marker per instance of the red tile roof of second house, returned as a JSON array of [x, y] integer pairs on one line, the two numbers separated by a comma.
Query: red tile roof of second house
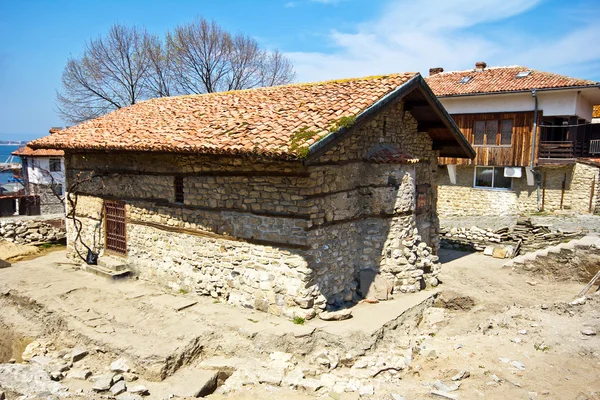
[[596, 112], [499, 79], [274, 121], [29, 152]]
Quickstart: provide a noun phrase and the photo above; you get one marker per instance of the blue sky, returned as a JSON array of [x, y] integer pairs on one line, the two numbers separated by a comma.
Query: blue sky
[[324, 38]]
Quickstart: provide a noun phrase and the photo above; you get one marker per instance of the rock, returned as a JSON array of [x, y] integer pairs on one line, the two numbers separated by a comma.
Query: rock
[[118, 388], [463, 374], [374, 286], [28, 380], [141, 390], [2, 395], [129, 396], [445, 395], [41, 360], [56, 375], [81, 374], [12, 361], [33, 349], [397, 397], [523, 332], [518, 365], [103, 382], [129, 377], [578, 302], [120, 365], [336, 315], [78, 354], [499, 252], [367, 390], [588, 332], [4, 264], [439, 385], [488, 251]]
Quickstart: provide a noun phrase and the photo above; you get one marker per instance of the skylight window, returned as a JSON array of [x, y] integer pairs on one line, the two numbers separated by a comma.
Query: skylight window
[[466, 79], [523, 74]]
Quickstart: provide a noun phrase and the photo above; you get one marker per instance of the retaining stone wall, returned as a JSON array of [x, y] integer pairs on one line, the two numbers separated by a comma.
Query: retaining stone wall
[[462, 199], [274, 235], [28, 231]]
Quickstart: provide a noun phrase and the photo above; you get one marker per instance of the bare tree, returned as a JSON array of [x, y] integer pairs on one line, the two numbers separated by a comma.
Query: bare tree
[[161, 81], [112, 73], [209, 59], [276, 69], [129, 64]]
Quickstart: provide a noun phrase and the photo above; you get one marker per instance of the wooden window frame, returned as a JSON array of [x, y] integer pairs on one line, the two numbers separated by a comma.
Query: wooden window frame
[[497, 141], [178, 186]]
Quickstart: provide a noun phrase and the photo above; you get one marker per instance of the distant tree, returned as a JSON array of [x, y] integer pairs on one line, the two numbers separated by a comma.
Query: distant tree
[[161, 80], [209, 59], [111, 74], [129, 64]]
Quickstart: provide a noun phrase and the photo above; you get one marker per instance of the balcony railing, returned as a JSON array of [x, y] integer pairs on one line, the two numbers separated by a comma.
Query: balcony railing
[[594, 146], [559, 150]]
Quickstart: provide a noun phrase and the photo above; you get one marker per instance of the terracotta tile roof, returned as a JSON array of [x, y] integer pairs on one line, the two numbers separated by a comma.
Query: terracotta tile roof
[[29, 152], [276, 121], [498, 79], [391, 156], [596, 112]]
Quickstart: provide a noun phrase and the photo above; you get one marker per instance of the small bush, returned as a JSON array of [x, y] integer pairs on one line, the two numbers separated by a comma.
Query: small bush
[[299, 320]]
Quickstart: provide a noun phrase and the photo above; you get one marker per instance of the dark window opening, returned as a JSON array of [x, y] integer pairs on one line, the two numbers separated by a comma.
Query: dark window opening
[[179, 197], [55, 165], [491, 178]]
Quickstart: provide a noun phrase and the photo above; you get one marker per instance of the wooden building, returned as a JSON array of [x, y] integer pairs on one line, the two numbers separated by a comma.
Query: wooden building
[[532, 133]]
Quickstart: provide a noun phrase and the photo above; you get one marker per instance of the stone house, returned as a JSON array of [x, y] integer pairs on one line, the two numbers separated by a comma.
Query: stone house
[[44, 176], [533, 136], [273, 198]]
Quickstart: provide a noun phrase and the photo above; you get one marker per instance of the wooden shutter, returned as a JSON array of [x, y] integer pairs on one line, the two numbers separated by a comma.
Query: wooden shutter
[[506, 132], [491, 132], [479, 133]]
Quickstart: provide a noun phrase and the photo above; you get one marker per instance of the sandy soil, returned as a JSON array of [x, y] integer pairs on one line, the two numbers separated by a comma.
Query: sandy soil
[[516, 335], [14, 252]]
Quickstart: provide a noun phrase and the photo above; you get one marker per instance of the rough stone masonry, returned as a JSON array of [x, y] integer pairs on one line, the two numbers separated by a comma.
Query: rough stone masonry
[[276, 236]]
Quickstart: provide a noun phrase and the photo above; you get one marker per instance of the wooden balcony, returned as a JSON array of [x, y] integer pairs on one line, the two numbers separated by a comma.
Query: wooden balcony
[[556, 152]]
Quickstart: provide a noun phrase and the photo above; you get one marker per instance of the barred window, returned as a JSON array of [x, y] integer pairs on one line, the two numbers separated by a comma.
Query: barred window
[[479, 133], [506, 132], [179, 189], [493, 132], [55, 165]]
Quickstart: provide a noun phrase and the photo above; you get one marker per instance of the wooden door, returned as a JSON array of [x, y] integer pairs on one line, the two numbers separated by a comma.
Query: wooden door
[[115, 228]]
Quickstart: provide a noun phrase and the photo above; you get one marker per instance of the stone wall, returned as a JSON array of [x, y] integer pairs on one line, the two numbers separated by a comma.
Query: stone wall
[[50, 203], [277, 236], [32, 231], [462, 199]]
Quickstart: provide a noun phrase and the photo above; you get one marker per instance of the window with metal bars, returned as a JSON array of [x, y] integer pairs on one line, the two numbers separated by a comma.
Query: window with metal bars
[[179, 195]]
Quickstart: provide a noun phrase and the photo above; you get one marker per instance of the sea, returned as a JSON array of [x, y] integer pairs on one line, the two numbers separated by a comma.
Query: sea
[[5, 151]]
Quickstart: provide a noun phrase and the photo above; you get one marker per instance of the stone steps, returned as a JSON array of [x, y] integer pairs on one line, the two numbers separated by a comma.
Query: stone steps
[[109, 267], [553, 251]]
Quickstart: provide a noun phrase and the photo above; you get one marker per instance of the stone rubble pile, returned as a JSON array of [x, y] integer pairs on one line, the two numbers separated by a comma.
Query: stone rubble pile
[[30, 232], [44, 368], [505, 242]]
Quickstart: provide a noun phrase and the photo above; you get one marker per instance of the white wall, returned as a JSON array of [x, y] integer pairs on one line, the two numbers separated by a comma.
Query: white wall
[[38, 171], [552, 103]]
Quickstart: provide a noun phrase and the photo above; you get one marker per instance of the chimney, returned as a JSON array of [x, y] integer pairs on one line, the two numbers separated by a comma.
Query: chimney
[[480, 66], [436, 70]]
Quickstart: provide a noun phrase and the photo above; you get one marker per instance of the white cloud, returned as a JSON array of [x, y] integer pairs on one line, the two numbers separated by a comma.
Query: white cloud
[[414, 36]]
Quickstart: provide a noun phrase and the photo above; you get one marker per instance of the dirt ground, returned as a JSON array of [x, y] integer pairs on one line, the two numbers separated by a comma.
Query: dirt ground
[[514, 335]]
